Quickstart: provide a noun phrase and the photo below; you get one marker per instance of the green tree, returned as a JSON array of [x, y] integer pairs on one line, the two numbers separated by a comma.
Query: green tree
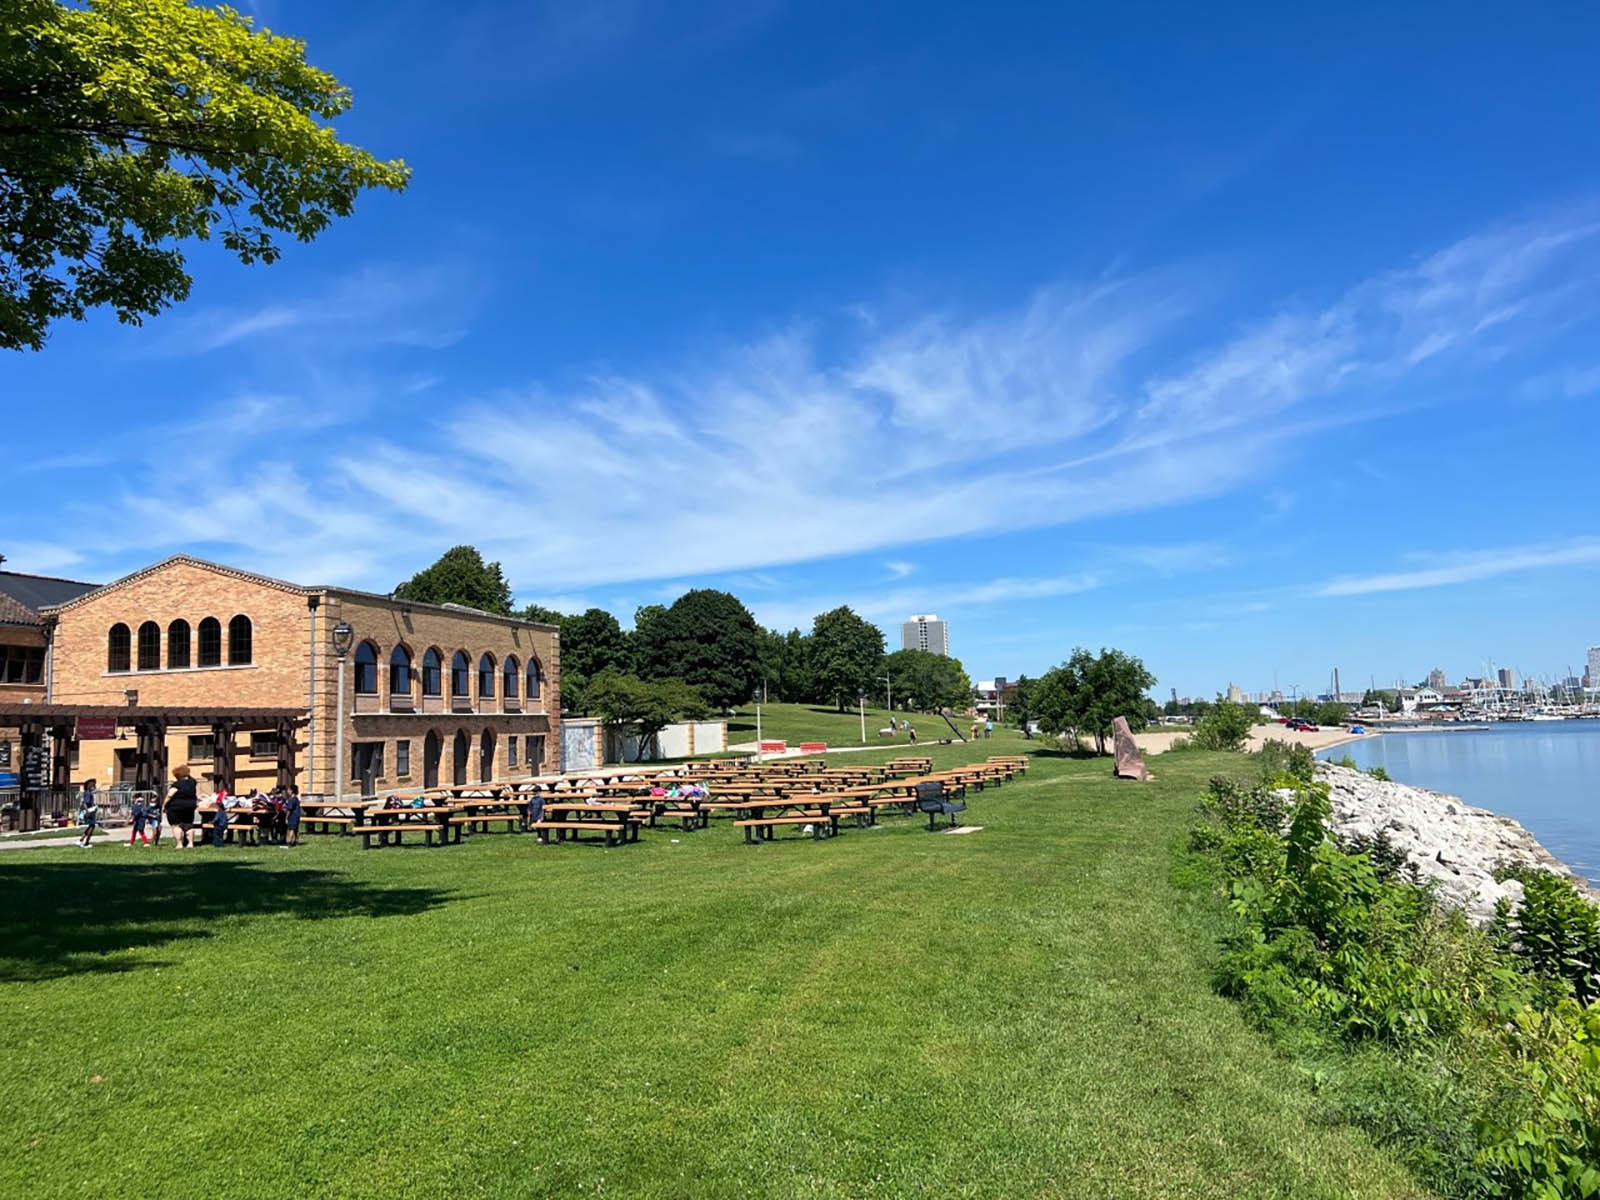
[[128, 127], [709, 640], [1087, 693], [1020, 704], [645, 706], [593, 641], [845, 653], [924, 680], [540, 615], [460, 576], [799, 681]]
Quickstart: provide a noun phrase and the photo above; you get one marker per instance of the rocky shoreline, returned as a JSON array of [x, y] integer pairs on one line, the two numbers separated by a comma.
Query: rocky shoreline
[[1443, 837]]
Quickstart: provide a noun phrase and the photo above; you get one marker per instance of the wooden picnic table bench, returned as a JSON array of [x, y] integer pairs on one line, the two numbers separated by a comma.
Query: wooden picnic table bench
[[241, 829], [428, 819], [327, 814], [618, 822]]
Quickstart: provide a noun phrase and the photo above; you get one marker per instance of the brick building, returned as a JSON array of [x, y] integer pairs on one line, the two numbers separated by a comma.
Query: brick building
[[433, 694], [24, 645]]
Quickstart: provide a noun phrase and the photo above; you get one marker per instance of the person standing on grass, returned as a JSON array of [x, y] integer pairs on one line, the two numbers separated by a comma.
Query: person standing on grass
[[291, 815], [181, 806], [141, 814], [911, 732], [219, 826], [88, 813], [988, 729]]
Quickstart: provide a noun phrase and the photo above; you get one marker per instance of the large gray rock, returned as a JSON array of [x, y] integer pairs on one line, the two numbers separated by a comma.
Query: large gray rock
[[1445, 839], [1130, 763]]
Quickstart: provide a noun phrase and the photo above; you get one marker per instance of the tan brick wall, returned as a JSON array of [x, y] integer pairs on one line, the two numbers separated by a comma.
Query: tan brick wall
[[294, 663], [369, 719], [276, 678]]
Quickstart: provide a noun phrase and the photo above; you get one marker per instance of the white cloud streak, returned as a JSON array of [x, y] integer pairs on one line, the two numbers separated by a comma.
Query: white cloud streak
[[808, 443], [1468, 567]]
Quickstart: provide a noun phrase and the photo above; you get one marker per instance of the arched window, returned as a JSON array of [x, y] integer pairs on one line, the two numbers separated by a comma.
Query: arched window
[[432, 672], [533, 679], [366, 669], [240, 652], [149, 646], [486, 676], [178, 644], [509, 676], [400, 672], [461, 675], [486, 757], [458, 764], [119, 648], [211, 642]]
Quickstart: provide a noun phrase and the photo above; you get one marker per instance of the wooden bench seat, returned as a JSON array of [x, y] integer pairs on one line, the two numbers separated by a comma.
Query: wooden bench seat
[[756, 829], [615, 832], [427, 828]]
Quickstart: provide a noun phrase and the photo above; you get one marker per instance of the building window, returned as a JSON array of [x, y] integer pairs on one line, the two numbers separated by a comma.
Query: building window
[[178, 645], [211, 642], [149, 646], [72, 754], [202, 747], [119, 648], [263, 745], [366, 758], [21, 664], [402, 757], [460, 676], [431, 672], [366, 669], [486, 676], [508, 678], [533, 679], [535, 752], [240, 651], [511, 750], [400, 672]]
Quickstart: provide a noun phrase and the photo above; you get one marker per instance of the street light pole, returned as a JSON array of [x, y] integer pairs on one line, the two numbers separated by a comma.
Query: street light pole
[[888, 683], [863, 702], [342, 635]]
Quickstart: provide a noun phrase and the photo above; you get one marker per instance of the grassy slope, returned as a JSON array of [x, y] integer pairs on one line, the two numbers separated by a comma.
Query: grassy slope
[[1023, 1011], [796, 723]]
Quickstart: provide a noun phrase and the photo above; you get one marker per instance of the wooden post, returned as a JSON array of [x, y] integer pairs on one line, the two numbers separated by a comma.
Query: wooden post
[[222, 762]]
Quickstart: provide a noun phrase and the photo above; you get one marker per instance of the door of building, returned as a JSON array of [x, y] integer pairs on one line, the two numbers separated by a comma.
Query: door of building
[[432, 751], [367, 766], [127, 766], [463, 748]]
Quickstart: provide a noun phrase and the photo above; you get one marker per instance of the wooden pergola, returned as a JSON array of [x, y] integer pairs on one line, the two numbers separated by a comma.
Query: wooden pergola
[[149, 726]]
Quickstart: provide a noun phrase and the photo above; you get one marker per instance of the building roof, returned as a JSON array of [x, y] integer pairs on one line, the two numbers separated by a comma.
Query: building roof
[[302, 589], [11, 714], [23, 596]]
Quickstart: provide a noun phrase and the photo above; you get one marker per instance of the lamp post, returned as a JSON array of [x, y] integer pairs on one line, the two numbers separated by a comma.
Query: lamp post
[[888, 685], [862, 701], [341, 635]]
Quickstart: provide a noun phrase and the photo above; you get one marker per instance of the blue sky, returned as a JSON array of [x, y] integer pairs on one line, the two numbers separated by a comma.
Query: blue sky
[[1250, 340]]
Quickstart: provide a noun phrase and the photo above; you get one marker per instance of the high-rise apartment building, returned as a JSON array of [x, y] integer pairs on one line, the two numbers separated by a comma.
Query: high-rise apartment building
[[1508, 678], [1437, 679], [1594, 666], [926, 632]]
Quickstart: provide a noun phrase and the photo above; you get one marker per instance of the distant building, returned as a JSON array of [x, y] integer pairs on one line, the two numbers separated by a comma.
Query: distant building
[[1594, 666], [1235, 694], [1508, 678], [926, 632], [993, 695], [1437, 680]]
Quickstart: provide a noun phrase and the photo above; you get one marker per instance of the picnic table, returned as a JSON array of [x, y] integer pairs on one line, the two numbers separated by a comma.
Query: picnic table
[[616, 823], [428, 819], [475, 815], [241, 824], [327, 813]]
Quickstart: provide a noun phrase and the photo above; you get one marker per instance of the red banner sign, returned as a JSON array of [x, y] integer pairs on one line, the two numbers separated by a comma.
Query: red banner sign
[[92, 729]]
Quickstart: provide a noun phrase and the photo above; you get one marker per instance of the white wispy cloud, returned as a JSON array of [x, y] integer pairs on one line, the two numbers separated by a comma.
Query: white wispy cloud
[[1468, 567], [812, 442], [899, 569]]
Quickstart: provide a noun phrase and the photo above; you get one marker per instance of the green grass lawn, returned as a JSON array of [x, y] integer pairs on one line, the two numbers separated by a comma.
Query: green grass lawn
[[1024, 1011], [796, 723]]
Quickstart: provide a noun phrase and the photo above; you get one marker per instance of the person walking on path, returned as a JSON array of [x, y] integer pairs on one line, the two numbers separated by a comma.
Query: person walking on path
[[141, 814], [88, 813], [181, 806]]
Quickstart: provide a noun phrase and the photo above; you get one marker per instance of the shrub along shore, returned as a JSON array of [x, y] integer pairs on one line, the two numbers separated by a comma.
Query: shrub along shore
[[1473, 1052]]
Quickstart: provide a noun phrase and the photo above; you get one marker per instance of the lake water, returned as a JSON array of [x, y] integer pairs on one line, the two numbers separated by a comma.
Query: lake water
[[1545, 774]]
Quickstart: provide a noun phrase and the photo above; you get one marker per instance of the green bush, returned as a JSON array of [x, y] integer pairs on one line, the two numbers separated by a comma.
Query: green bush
[[1474, 1054], [1378, 773], [1279, 759], [1226, 727]]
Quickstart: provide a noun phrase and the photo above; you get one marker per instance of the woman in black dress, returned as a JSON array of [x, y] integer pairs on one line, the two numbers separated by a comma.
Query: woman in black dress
[[181, 806]]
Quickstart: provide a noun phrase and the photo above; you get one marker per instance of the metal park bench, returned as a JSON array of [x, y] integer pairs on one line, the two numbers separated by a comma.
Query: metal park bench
[[935, 800]]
